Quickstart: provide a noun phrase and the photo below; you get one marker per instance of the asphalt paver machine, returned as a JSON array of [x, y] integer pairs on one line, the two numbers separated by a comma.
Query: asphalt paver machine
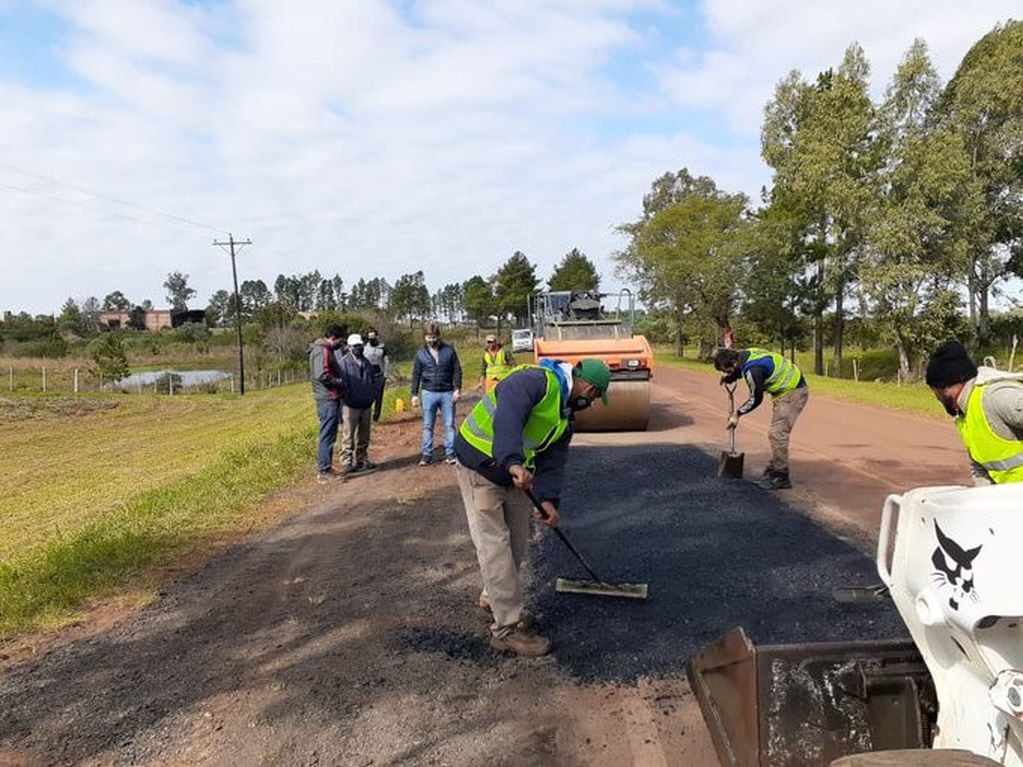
[[952, 696]]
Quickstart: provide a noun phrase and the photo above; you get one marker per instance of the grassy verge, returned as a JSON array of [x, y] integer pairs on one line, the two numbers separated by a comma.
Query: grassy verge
[[97, 490], [915, 398]]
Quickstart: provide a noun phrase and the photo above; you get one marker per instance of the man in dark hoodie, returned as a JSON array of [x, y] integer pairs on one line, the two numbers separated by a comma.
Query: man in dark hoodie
[[328, 392], [359, 382]]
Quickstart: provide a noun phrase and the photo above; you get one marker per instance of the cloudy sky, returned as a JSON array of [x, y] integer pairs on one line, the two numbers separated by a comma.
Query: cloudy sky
[[378, 137]]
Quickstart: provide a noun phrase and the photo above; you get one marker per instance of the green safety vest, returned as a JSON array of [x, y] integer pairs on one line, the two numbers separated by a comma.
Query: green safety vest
[[496, 364], [785, 377], [545, 425], [1001, 458]]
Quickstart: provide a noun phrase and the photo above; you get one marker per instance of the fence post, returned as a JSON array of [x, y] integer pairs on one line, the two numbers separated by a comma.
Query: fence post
[[170, 384], [44, 379], [10, 374], [140, 383], [76, 380], [856, 370], [278, 376], [232, 382]]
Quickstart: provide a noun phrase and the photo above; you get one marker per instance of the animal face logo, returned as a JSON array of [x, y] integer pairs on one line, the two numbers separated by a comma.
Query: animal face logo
[[954, 568]]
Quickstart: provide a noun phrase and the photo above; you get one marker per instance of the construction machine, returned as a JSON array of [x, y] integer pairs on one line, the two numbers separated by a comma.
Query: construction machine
[[952, 696], [574, 325]]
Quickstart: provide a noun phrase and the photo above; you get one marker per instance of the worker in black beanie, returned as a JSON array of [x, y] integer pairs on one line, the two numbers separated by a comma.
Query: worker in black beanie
[[987, 405]]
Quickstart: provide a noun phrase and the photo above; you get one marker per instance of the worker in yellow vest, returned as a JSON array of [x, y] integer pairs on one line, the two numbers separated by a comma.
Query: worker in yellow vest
[[767, 372], [987, 405], [517, 437], [497, 363]]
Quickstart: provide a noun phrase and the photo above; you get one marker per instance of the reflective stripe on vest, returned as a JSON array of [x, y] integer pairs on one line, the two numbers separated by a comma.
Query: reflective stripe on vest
[[1001, 458], [543, 428], [497, 365], [785, 377]]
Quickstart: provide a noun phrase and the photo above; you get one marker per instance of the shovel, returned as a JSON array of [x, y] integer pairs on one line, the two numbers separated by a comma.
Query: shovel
[[598, 586], [730, 462]]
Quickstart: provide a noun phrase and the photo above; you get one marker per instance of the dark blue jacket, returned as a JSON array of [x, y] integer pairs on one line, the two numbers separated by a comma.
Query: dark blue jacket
[[442, 374], [359, 381], [517, 395]]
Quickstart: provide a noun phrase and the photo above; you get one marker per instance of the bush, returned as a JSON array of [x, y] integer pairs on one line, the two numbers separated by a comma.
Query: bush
[[53, 347], [108, 353]]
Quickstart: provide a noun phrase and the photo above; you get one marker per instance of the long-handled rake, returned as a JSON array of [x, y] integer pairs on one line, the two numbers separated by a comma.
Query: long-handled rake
[[598, 586]]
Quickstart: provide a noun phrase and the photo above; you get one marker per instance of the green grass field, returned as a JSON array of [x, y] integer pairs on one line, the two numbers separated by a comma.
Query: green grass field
[[98, 488]]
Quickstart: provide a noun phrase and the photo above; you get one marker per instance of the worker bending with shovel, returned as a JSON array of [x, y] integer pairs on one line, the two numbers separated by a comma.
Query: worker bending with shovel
[[516, 439], [766, 371]]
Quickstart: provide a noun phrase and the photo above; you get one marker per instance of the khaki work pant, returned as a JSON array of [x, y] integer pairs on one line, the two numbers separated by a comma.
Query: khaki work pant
[[499, 525], [355, 426], [787, 408]]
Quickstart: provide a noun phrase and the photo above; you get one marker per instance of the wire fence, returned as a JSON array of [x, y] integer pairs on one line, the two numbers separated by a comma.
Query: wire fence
[[80, 380]]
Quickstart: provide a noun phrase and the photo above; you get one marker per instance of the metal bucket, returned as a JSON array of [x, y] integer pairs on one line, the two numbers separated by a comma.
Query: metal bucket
[[803, 705]]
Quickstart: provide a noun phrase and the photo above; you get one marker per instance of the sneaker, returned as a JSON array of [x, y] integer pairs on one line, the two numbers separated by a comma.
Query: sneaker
[[451, 460], [345, 470], [425, 460], [364, 467], [522, 642], [324, 477]]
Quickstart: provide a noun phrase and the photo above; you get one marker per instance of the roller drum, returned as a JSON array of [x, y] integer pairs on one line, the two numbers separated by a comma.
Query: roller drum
[[628, 408]]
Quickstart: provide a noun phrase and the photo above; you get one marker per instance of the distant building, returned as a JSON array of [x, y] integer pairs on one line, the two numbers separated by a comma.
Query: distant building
[[155, 319]]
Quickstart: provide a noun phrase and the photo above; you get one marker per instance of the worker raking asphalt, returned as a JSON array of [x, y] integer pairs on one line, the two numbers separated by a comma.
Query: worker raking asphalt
[[716, 553]]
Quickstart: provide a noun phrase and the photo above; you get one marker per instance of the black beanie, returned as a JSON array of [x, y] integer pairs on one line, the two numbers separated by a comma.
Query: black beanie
[[950, 364]]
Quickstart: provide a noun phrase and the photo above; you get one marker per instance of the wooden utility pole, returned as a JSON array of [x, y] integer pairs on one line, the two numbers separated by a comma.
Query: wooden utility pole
[[230, 246]]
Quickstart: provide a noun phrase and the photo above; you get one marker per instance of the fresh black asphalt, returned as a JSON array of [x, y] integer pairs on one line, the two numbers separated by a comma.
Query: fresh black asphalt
[[716, 554]]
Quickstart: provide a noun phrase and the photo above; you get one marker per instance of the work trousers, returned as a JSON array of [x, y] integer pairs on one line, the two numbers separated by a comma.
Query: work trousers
[[355, 426], [499, 525], [787, 408]]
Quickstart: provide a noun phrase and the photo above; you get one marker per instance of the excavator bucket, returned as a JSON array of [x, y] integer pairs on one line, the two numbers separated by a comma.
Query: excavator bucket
[[803, 705], [631, 361]]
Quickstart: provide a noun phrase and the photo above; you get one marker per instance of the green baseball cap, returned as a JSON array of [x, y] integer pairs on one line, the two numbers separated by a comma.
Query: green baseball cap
[[597, 373]]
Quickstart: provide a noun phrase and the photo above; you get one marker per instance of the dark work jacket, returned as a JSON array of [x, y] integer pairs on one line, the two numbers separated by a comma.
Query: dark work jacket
[[359, 381], [324, 371], [517, 395], [442, 374]]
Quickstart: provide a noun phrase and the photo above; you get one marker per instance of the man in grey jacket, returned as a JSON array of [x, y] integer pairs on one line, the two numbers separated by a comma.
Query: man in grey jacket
[[328, 391]]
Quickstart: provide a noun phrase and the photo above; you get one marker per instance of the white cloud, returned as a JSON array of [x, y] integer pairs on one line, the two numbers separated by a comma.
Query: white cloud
[[755, 43], [350, 137]]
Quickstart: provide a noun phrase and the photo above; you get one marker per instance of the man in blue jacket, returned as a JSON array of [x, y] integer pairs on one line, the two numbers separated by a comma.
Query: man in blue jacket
[[359, 381], [517, 436], [437, 375]]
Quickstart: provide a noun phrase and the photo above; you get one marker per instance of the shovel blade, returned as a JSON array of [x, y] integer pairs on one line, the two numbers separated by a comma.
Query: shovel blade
[[730, 465]]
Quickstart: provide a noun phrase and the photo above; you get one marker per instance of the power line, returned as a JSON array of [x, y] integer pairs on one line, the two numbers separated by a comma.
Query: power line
[[102, 196], [65, 201]]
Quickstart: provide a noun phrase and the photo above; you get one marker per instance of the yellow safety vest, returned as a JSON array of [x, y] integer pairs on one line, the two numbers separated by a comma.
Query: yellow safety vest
[[545, 425], [497, 366], [1001, 458], [785, 377]]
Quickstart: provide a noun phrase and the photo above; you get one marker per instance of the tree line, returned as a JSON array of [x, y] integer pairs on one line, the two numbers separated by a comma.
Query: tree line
[[897, 212]]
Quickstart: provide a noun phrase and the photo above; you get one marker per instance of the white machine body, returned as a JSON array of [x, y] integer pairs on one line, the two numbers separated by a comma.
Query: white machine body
[[949, 556]]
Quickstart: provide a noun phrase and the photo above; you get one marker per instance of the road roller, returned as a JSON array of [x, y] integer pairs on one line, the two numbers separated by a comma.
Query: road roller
[[574, 325]]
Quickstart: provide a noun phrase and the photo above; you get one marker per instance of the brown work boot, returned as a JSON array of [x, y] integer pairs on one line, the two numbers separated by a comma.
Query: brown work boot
[[522, 642], [526, 619]]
